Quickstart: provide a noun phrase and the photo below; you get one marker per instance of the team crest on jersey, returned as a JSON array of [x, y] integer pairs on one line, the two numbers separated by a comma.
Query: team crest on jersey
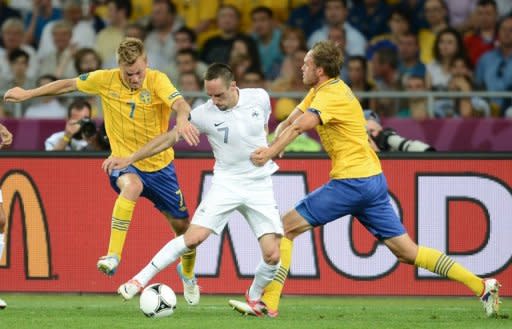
[[145, 96], [83, 76], [255, 114]]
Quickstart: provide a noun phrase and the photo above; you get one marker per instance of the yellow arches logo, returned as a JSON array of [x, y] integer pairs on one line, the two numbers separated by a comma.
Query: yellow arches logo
[[18, 186]]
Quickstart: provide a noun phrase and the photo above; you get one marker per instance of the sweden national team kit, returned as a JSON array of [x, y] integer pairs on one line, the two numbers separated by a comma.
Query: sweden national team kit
[[357, 185], [132, 119]]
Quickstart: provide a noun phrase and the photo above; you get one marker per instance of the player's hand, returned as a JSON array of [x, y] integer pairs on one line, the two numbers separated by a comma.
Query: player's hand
[[260, 156], [188, 132], [16, 95], [6, 137], [113, 163]]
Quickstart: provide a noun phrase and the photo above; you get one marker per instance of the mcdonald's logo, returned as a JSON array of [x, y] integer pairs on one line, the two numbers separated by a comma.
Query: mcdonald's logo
[[18, 186]]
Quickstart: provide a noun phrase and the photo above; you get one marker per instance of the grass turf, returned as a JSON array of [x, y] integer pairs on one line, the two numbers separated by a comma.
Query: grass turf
[[109, 311]]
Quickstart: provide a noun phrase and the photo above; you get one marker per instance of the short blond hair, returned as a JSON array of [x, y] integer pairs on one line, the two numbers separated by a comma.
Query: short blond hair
[[129, 50]]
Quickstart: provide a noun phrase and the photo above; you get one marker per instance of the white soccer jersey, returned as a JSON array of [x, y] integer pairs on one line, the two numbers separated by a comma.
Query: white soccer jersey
[[235, 133]]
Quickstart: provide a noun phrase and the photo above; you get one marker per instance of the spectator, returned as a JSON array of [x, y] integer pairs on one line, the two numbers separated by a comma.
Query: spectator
[[243, 57], [292, 41], [290, 78], [337, 35], [370, 17], [461, 65], [119, 12], [199, 15], [187, 61], [467, 107], [494, 69], [12, 37], [160, 41], [83, 34], [218, 48], [185, 38], [483, 37], [7, 12], [416, 13], [189, 81], [18, 64], [399, 25], [71, 138], [42, 12], [460, 14], [436, 14], [267, 38], [46, 107], [87, 60], [447, 46], [308, 17], [59, 62], [416, 107], [253, 78], [336, 15], [358, 80], [387, 78], [408, 57]]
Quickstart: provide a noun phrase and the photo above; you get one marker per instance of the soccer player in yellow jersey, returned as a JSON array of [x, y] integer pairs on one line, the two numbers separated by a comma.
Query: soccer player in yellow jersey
[[137, 103], [357, 185]]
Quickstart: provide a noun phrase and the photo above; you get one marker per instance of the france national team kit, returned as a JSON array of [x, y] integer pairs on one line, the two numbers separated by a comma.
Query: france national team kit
[[237, 183]]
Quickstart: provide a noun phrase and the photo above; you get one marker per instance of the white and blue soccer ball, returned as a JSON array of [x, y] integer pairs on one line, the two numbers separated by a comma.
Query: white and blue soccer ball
[[157, 301]]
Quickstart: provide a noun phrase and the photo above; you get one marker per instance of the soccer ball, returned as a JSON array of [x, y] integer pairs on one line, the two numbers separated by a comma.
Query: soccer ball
[[157, 301]]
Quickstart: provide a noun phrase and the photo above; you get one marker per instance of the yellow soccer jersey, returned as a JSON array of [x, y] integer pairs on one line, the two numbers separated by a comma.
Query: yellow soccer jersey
[[133, 118], [342, 130]]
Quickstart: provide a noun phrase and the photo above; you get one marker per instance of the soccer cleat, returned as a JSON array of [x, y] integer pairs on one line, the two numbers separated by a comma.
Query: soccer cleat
[[190, 288], [129, 289], [108, 264], [2, 304], [490, 297], [251, 307]]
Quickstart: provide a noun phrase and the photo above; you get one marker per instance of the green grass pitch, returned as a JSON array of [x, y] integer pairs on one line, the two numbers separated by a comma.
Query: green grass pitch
[[109, 311]]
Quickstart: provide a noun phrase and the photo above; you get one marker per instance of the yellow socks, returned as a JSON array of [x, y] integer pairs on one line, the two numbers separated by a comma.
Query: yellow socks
[[188, 261], [437, 262], [121, 217], [272, 293]]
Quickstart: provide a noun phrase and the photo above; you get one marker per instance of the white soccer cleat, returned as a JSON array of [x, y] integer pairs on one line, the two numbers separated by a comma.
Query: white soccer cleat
[[250, 307], [191, 291], [490, 297], [2, 304], [108, 264], [241, 307], [129, 289]]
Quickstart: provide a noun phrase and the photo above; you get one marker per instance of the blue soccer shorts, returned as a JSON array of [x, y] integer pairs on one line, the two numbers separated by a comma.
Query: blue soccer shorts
[[366, 199], [160, 187]]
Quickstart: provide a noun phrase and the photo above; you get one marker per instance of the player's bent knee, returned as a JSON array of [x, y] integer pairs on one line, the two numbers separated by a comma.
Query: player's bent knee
[[272, 258], [194, 237]]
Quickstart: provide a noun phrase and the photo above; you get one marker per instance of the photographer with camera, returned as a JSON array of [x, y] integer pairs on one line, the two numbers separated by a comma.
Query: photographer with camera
[[79, 128], [386, 139]]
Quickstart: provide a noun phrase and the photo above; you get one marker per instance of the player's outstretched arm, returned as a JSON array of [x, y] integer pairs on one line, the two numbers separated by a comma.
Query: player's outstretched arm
[[6, 136], [184, 128], [17, 94], [155, 146], [304, 122]]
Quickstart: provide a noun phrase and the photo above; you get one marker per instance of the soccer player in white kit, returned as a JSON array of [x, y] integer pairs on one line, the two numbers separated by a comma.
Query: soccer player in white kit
[[6, 140], [235, 122]]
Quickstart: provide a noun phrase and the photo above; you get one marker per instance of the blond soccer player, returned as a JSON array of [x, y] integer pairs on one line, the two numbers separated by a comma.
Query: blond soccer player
[[137, 103], [357, 185]]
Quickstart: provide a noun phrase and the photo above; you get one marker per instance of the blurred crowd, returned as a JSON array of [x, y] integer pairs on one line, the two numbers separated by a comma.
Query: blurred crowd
[[389, 45]]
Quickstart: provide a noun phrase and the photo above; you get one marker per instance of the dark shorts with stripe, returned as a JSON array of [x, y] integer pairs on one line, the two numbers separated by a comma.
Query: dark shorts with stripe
[[160, 187], [366, 199]]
